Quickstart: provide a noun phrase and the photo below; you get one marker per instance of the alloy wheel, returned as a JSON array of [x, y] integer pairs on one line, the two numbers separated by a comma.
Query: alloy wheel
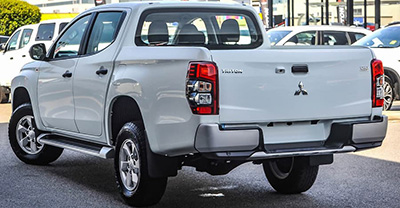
[[388, 95], [26, 135], [129, 167]]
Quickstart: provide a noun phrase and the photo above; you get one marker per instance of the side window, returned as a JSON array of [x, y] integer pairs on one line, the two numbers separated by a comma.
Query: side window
[[303, 38], [13, 43], [334, 38], [68, 44], [45, 31], [25, 38], [355, 36], [104, 31], [62, 26]]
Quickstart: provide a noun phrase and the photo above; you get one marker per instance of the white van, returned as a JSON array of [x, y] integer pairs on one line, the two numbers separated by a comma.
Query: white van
[[15, 53]]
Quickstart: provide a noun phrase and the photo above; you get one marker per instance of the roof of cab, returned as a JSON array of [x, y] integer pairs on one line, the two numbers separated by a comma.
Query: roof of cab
[[134, 5]]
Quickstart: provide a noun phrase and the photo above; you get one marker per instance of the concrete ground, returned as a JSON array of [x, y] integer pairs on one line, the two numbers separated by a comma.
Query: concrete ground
[[366, 179]]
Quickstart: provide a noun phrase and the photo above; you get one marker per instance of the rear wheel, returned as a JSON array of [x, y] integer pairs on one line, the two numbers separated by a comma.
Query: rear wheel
[[137, 188], [290, 175], [388, 93], [23, 135]]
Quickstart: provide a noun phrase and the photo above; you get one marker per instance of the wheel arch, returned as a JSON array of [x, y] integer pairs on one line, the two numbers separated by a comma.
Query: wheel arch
[[394, 76], [20, 96], [123, 109]]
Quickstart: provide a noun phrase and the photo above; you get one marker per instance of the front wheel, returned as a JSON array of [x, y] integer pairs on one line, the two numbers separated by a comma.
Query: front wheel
[[290, 175], [22, 133], [137, 188]]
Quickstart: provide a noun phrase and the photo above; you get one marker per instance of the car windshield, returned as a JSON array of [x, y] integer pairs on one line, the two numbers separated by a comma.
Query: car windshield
[[276, 36], [385, 38], [190, 27]]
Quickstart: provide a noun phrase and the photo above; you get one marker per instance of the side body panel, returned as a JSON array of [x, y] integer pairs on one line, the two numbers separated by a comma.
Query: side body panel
[[90, 88], [55, 96], [156, 79], [28, 79]]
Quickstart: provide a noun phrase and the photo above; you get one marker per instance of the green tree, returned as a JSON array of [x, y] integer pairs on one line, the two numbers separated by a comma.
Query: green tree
[[17, 13]]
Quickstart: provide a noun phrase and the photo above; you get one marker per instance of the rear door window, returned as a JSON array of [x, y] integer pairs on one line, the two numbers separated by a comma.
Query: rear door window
[[45, 32], [214, 29]]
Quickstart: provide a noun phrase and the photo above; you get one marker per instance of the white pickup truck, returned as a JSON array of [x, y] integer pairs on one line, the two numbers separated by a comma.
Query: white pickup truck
[[158, 86]]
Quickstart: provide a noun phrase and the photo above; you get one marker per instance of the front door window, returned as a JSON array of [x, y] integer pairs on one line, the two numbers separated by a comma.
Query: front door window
[[13, 43], [69, 43]]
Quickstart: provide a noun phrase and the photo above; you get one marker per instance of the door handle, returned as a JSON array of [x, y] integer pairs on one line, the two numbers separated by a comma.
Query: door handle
[[299, 69], [23, 56], [67, 74], [102, 71], [11, 58]]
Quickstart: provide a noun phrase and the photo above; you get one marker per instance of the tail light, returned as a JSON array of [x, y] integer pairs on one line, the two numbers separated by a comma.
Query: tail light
[[202, 88], [377, 83]]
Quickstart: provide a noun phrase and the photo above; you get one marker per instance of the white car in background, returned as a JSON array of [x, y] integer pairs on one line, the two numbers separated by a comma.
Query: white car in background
[[315, 35], [385, 43], [15, 53]]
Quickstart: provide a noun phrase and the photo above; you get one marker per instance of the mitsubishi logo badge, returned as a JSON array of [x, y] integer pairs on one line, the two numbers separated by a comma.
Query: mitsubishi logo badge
[[301, 90]]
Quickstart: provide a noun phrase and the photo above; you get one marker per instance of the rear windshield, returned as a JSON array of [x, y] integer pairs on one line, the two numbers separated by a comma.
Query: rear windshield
[[276, 36], [193, 27]]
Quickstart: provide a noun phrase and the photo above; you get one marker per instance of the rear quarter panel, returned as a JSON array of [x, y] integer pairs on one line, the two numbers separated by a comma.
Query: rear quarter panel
[[155, 77]]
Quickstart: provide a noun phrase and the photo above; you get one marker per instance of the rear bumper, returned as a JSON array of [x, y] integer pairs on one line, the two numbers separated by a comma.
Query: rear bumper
[[370, 132], [215, 142]]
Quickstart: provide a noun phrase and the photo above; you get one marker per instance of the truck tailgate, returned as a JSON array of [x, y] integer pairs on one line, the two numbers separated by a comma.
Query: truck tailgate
[[293, 84]]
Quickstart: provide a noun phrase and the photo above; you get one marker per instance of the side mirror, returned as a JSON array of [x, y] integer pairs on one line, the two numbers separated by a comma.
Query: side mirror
[[2, 47], [38, 52]]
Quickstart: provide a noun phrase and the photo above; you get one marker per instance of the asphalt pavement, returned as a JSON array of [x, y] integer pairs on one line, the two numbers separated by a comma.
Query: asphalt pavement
[[366, 179]]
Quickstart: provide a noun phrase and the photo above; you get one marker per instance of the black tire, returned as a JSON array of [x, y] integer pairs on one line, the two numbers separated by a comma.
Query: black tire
[[41, 154], [388, 93], [146, 191], [290, 175]]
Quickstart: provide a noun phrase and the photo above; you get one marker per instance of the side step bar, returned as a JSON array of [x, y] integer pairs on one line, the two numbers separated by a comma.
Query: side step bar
[[75, 145]]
